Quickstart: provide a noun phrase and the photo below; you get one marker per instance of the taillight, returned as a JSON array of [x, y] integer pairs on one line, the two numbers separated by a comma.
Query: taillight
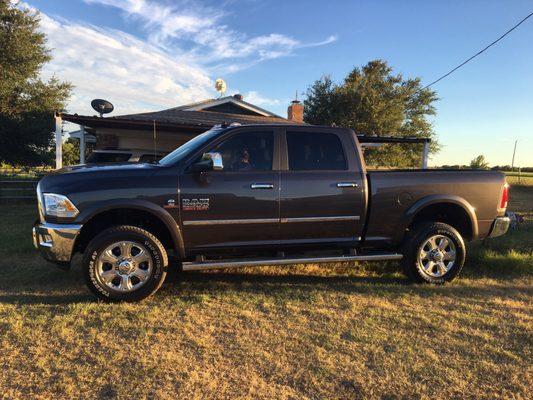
[[505, 196]]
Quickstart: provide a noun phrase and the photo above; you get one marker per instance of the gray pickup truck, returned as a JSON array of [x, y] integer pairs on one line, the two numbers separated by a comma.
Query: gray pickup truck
[[261, 195]]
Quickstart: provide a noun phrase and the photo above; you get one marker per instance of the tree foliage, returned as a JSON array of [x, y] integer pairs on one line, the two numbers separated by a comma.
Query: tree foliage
[[479, 163], [27, 103], [373, 101]]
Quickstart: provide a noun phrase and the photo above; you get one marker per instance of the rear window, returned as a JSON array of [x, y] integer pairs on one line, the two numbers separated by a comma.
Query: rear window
[[99, 158], [315, 151]]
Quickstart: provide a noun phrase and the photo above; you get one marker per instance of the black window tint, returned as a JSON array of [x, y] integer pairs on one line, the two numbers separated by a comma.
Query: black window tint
[[148, 158], [247, 151], [315, 151]]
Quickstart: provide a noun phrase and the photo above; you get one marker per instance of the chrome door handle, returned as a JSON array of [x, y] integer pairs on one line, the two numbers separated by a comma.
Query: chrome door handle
[[262, 186], [347, 185]]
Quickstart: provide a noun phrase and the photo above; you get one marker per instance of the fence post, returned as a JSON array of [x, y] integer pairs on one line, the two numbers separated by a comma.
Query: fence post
[[59, 141], [425, 154], [82, 144]]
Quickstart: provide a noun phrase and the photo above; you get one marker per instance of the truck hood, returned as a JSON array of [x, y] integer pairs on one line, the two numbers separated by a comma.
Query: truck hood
[[92, 168], [80, 178]]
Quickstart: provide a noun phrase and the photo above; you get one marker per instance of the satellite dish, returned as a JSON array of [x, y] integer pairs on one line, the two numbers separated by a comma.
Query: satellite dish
[[220, 86], [102, 106]]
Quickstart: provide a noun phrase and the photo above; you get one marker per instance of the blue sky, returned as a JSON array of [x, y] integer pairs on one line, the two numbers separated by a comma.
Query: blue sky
[[146, 54]]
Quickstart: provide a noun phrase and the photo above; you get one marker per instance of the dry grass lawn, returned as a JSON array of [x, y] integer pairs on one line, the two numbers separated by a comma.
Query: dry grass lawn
[[330, 332]]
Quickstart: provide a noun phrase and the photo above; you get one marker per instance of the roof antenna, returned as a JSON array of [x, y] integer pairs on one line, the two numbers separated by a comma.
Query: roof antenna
[[155, 143]]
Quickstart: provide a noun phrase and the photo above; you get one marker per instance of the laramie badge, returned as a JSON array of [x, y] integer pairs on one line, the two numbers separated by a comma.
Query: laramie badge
[[195, 204]]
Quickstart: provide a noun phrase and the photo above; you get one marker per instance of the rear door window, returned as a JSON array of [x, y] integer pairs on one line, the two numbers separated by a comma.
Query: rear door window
[[315, 151]]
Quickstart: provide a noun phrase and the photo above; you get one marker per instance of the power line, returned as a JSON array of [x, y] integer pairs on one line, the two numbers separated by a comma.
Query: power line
[[479, 52]]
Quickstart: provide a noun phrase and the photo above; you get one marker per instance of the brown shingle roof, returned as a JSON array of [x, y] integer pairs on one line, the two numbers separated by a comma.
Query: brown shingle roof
[[176, 116]]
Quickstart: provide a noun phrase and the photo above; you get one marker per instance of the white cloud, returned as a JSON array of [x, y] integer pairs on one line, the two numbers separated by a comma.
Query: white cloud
[[257, 99], [185, 45], [133, 74], [172, 24]]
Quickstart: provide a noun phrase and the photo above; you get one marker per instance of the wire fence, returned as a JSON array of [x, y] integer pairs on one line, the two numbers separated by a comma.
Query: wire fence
[[18, 185]]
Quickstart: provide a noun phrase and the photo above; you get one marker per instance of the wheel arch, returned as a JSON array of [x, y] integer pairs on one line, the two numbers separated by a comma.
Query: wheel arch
[[453, 210], [136, 212]]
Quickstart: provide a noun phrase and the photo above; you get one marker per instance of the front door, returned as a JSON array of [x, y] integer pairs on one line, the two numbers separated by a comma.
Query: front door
[[322, 189], [238, 205]]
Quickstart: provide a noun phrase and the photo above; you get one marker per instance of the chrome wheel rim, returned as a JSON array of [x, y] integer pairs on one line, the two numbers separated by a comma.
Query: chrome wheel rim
[[124, 266], [437, 256]]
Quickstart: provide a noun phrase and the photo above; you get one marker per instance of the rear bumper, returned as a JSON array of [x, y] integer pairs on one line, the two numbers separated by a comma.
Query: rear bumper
[[499, 226], [55, 242]]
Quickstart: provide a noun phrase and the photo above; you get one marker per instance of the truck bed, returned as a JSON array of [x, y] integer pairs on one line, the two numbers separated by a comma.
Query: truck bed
[[393, 193]]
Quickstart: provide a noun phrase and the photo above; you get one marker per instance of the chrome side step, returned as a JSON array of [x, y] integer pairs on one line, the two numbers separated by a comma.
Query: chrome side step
[[198, 266]]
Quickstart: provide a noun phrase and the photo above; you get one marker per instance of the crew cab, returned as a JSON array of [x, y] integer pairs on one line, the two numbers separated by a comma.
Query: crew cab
[[261, 195]]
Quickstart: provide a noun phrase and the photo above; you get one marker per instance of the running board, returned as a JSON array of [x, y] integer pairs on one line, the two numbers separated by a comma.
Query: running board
[[197, 266]]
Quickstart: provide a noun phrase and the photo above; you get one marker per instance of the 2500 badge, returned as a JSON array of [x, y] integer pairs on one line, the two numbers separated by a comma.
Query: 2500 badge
[[195, 204]]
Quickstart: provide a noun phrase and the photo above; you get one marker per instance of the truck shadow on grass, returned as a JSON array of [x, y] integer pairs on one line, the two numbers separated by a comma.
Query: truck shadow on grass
[[36, 282]]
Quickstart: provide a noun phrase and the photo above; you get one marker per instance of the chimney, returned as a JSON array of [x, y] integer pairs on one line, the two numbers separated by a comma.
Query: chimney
[[295, 112]]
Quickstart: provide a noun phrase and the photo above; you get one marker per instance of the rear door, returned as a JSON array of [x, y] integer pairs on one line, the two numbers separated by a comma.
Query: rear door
[[322, 188], [239, 205]]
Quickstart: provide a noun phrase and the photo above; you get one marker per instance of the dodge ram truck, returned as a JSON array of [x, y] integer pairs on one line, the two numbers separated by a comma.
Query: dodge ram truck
[[256, 195]]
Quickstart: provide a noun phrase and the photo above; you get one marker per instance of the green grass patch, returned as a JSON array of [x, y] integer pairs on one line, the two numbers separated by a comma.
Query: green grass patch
[[335, 331]]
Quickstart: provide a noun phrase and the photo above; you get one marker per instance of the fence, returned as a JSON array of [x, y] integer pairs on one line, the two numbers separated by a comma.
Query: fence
[[18, 185], [13, 191], [31, 173]]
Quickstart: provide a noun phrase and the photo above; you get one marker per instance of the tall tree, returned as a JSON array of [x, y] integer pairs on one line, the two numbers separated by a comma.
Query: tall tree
[[373, 101], [479, 162], [27, 103]]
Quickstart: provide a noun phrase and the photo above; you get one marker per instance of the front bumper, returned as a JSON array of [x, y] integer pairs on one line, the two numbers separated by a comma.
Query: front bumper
[[55, 242], [499, 226]]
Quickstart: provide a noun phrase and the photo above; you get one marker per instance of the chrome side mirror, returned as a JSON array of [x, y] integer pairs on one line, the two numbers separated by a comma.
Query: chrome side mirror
[[209, 162], [216, 159]]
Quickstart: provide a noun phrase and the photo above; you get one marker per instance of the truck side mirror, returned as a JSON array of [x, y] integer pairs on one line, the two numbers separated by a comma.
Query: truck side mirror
[[210, 162]]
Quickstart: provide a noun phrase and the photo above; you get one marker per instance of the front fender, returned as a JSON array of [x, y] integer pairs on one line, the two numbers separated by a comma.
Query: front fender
[[138, 204]]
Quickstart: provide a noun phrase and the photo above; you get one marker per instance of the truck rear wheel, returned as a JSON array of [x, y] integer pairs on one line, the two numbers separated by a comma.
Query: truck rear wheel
[[433, 252], [125, 263]]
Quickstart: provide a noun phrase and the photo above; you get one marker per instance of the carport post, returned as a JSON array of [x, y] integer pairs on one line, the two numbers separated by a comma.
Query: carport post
[[425, 154], [59, 141], [82, 144]]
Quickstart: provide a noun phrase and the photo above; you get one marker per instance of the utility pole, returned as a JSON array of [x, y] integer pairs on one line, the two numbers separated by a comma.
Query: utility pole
[[514, 152]]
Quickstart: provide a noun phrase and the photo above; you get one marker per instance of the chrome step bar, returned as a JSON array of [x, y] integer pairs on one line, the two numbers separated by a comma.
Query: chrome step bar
[[198, 266]]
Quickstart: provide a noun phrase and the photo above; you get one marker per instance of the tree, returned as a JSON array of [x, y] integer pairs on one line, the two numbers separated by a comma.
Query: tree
[[373, 101], [479, 162], [27, 103], [71, 151]]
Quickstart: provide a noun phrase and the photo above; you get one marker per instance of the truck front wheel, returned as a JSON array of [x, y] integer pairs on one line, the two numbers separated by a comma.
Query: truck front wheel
[[125, 263], [434, 253]]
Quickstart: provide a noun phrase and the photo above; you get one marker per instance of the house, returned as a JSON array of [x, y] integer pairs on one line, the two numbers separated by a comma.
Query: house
[[167, 129]]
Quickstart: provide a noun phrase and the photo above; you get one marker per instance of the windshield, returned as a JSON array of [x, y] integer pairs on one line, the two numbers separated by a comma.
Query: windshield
[[190, 146]]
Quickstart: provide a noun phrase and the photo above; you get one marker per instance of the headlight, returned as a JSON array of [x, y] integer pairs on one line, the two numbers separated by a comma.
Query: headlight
[[58, 205]]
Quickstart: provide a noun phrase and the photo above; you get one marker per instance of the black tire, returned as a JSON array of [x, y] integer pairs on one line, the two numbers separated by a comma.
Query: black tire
[[155, 266], [425, 271]]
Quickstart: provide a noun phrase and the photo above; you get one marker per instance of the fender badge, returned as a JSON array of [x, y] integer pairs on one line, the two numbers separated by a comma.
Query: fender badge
[[195, 204]]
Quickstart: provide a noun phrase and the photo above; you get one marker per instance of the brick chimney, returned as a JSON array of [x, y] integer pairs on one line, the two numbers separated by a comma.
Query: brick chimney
[[295, 112]]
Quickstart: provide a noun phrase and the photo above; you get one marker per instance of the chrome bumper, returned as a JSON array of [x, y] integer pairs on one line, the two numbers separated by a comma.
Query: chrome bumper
[[55, 242], [500, 226]]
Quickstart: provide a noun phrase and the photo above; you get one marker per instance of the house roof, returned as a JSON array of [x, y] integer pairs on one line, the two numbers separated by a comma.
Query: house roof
[[193, 116], [171, 119], [236, 100]]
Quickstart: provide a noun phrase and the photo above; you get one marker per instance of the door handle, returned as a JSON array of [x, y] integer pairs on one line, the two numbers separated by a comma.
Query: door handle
[[347, 185], [262, 186]]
